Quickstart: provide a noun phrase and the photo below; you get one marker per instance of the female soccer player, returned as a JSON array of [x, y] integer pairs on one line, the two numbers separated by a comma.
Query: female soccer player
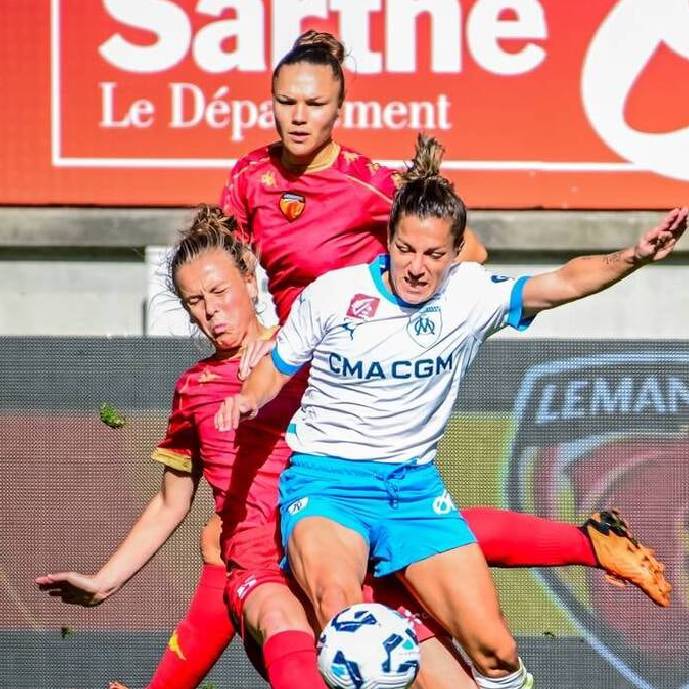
[[362, 484], [308, 205], [214, 279], [213, 275]]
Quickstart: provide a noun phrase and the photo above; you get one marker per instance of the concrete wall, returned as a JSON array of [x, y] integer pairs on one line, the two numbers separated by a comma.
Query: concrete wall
[[84, 272], [71, 294]]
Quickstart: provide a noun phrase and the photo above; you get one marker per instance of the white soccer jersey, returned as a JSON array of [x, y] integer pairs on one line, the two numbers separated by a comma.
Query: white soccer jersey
[[384, 374]]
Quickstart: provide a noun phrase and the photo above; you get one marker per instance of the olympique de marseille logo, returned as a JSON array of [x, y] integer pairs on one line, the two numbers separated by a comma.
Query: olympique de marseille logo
[[612, 431], [426, 326]]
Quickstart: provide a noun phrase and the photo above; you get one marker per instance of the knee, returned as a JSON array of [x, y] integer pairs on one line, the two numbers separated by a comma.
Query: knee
[[276, 619], [332, 597], [210, 541]]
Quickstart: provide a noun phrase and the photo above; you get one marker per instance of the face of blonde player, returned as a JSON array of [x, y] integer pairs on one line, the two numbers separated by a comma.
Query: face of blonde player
[[219, 299], [306, 105], [421, 254]]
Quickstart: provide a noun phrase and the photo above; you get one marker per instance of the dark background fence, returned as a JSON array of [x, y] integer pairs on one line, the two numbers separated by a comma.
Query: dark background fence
[[556, 428]]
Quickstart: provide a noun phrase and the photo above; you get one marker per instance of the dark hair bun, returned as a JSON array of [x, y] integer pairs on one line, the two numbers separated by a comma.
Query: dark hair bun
[[324, 41], [427, 159]]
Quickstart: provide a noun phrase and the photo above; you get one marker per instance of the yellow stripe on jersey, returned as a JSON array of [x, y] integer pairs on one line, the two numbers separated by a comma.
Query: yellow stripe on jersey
[[174, 646], [370, 187], [174, 460]]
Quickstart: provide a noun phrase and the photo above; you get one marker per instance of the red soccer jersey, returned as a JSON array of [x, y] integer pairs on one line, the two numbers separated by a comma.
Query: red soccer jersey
[[241, 467], [303, 225]]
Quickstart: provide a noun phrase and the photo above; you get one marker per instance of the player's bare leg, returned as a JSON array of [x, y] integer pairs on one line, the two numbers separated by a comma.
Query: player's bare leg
[[272, 608], [442, 667], [467, 606], [277, 620], [329, 562], [210, 541]]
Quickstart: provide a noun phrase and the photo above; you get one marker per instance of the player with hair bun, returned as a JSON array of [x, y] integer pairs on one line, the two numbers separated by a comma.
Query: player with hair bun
[[213, 274], [362, 485], [307, 205]]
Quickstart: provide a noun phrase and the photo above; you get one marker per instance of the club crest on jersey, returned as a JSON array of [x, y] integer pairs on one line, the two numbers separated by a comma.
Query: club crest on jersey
[[426, 326], [602, 430], [292, 205], [363, 306]]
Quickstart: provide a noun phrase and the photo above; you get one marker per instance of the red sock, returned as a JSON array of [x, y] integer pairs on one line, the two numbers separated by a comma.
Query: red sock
[[515, 539], [290, 659], [200, 638]]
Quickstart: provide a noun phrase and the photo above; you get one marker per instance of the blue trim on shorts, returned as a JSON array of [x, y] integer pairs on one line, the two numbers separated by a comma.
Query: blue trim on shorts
[[515, 317], [281, 365], [327, 464]]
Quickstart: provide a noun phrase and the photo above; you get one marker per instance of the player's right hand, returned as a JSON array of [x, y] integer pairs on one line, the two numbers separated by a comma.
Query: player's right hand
[[74, 588], [233, 410]]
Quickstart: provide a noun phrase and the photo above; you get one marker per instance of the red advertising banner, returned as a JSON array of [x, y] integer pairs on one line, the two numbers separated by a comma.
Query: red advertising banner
[[540, 103]]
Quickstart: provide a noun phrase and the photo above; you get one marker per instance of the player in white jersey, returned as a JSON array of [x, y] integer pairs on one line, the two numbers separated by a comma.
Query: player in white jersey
[[388, 344], [365, 343]]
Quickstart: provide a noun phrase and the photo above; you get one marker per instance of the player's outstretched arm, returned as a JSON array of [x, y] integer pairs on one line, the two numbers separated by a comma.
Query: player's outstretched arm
[[588, 275], [161, 517], [263, 384]]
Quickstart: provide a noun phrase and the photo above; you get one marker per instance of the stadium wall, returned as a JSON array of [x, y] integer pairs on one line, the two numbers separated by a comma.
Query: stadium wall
[[83, 271]]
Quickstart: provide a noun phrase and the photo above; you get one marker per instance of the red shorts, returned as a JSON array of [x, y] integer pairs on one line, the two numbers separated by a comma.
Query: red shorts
[[253, 561]]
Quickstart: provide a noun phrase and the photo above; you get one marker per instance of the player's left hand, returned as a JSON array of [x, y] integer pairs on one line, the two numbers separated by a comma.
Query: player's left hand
[[254, 351], [233, 410], [73, 588], [659, 242]]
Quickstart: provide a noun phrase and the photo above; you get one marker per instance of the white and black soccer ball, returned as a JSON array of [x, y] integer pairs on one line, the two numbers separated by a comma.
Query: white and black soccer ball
[[368, 646]]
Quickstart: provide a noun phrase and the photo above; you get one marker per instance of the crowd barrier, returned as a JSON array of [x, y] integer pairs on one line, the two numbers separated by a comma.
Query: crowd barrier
[[556, 428]]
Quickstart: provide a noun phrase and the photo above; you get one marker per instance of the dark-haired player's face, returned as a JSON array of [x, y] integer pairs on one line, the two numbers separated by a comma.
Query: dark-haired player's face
[[421, 254], [305, 103], [219, 299]]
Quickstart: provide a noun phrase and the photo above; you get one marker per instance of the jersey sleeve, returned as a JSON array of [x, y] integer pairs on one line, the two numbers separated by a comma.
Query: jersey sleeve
[[302, 332], [498, 301], [179, 449], [233, 198], [386, 180]]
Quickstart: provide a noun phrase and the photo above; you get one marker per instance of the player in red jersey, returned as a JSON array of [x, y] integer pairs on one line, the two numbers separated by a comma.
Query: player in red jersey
[[214, 279], [308, 205]]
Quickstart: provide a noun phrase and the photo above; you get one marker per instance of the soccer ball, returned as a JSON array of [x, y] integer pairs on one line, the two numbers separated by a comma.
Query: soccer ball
[[368, 646]]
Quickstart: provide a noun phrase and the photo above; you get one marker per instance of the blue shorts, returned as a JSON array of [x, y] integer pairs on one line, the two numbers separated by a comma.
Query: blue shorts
[[403, 511]]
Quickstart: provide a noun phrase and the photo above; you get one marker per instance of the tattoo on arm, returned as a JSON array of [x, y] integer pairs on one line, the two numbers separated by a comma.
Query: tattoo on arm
[[613, 258]]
